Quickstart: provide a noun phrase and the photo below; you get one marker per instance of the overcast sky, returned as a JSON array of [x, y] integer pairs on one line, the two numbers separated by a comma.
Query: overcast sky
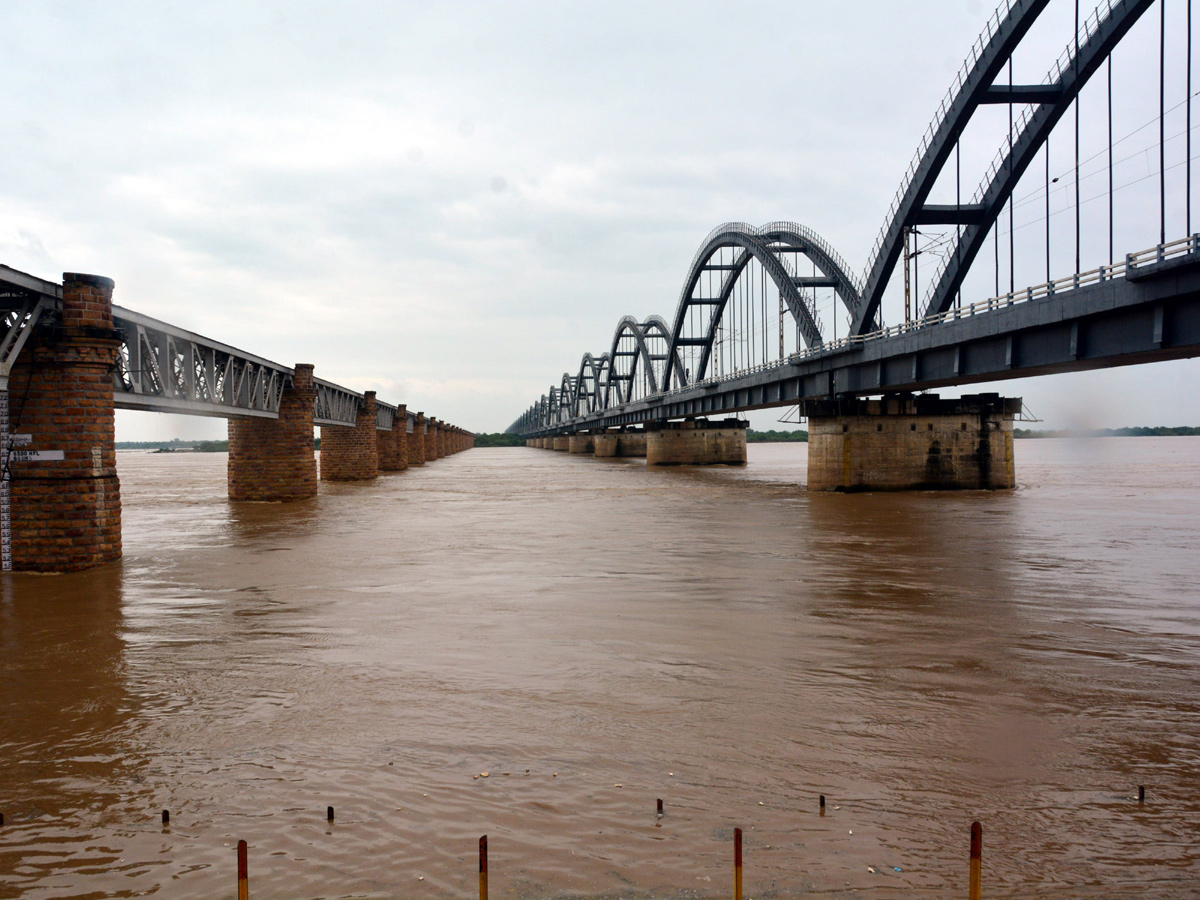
[[450, 202]]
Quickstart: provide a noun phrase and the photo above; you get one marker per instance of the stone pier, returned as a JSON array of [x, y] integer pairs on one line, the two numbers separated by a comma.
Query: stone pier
[[696, 442], [431, 430], [274, 459], [352, 454], [904, 443], [632, 444], [580, 443], [393, 445], [65, 498], [416, 442], [562, 443]]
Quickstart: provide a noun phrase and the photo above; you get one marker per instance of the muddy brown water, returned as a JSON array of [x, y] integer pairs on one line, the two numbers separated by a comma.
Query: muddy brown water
[[594, 636]]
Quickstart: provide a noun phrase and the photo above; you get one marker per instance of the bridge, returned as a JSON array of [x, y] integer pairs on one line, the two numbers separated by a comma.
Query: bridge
[[69, 358], [747, 331]]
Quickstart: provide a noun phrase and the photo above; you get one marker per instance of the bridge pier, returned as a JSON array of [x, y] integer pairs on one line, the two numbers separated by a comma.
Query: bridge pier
[[581, 443], [416, 442], [393, 445], [65, 497], [632, 444], [696, 443], [274, 459], [605, 445], [561, 443], [352, 454], [431, 432], [904, 443]]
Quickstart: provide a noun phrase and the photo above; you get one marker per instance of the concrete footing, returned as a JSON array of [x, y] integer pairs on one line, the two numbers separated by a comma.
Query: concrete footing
[[562, 443], [912, 443], [580, 443], [697, 443]]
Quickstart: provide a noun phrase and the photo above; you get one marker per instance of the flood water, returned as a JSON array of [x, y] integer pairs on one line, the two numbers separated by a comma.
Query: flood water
[[595, 635]]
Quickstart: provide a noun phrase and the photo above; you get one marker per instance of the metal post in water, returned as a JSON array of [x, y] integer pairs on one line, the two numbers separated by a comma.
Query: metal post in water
[[660, 809], [737, 864], [1141, 793], [822, 803], [166, 817], [329, 813], [483, 868], [243, 877], [976, 861]]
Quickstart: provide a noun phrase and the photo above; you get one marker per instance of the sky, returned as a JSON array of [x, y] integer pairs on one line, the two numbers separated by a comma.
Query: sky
[[449, 203]]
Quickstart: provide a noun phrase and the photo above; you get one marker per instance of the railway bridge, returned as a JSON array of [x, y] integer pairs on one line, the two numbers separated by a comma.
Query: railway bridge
[[69, 358], [748, 332]]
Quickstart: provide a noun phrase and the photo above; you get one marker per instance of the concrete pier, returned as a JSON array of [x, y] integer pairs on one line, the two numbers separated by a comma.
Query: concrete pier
[[696, 442], [580, 443], [904, 443], [631, 444], [562, 443], [605, 445], [65, 497], [274, 459], [352, 454]]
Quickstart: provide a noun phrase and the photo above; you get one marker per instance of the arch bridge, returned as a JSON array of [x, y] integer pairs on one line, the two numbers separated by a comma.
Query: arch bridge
[[757, 320]]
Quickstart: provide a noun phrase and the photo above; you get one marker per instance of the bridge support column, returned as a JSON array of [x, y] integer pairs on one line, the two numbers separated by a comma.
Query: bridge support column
[[65, 507], [906, 443], [352, 454], [605, 445], [561, 443], [274, 459], [581, 443], [393, 445], [631, 444], [697, 443], [443, 447], [416, 442], [431, 431]]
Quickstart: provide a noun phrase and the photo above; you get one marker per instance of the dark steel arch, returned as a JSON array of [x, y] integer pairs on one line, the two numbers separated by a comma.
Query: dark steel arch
[[630, 326], [993, 49], [763, 244], [995, 191]]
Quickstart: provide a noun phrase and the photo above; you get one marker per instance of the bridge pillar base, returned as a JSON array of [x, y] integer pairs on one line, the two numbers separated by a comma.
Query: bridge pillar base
[[581, 443], [352, 454], [907, 443], [416, 442], [65, 512], [274, 459], [606, 445], [697, 443], [631, 444], [431, 439], [393, 445], [562, 443]]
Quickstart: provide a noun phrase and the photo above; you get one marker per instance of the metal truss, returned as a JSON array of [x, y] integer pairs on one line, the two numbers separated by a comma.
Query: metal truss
[[1042, 107]]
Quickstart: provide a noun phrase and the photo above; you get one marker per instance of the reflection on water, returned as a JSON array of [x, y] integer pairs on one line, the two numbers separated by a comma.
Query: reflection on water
[[595, 635]]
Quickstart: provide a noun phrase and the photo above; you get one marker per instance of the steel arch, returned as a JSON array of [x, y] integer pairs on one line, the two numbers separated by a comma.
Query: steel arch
[[989, 54], [763, 244], [1031, 135]]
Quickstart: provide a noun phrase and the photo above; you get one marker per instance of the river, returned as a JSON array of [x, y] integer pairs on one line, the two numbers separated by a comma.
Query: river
[[537, 647]]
